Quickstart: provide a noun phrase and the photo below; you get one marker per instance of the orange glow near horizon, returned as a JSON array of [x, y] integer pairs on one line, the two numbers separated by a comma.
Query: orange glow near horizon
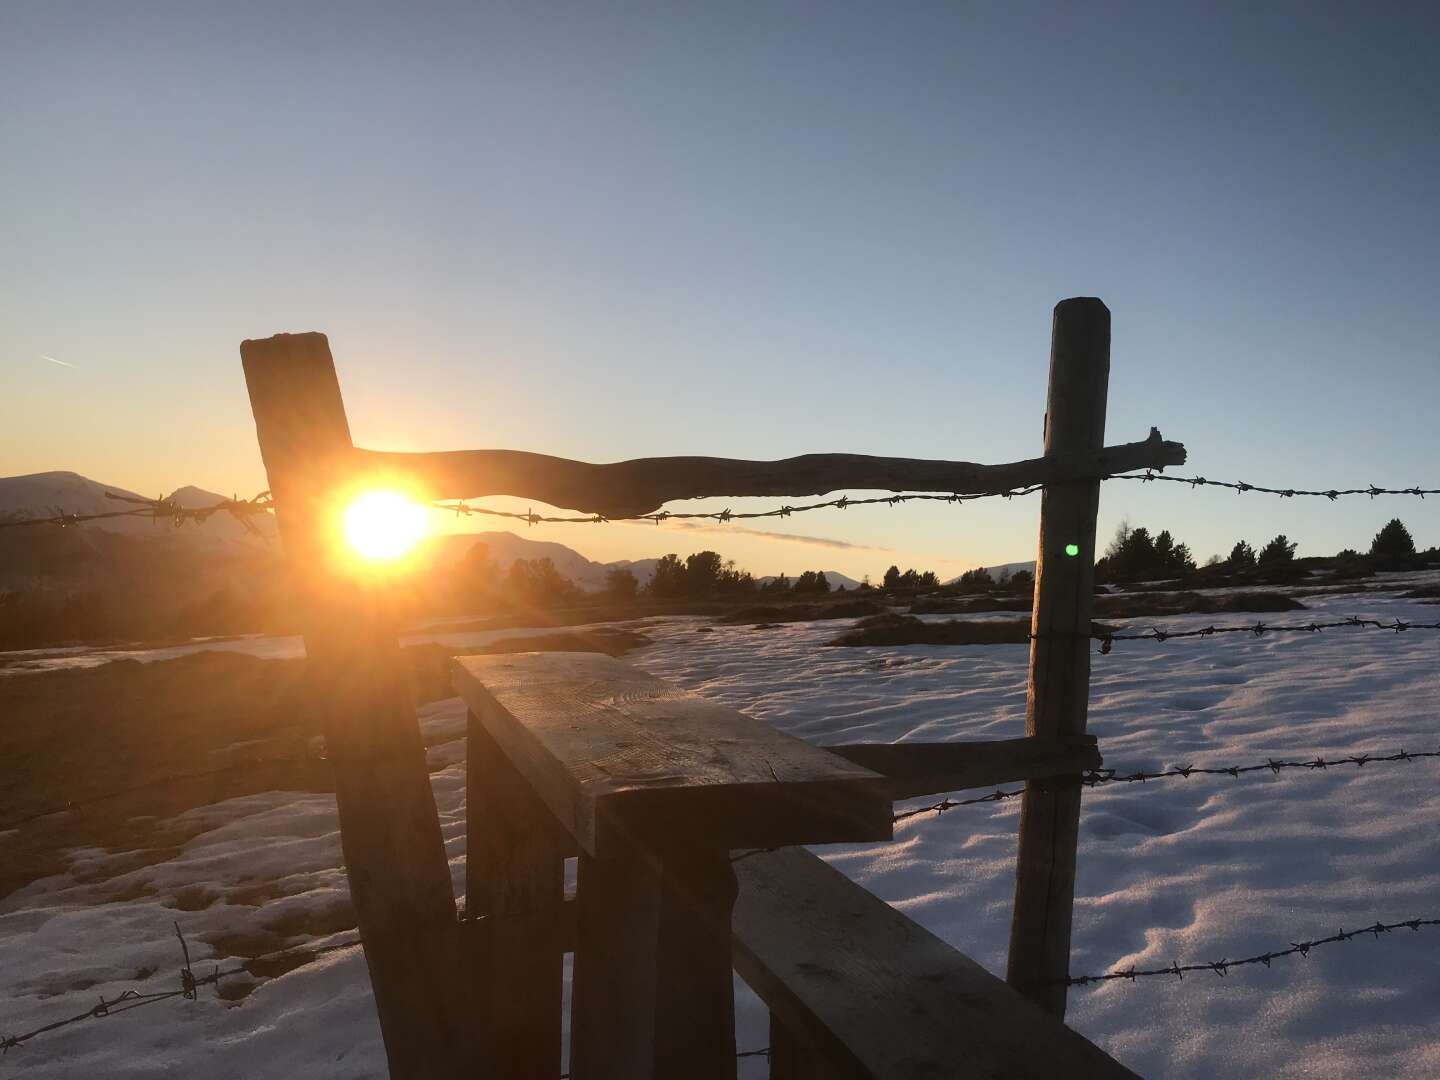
[[382, 526]]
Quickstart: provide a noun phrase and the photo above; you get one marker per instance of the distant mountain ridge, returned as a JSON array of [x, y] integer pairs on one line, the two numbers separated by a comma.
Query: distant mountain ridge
[[47, 493], [505, 547]]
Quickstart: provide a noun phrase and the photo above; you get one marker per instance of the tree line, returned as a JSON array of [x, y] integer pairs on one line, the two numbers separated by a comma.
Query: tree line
[[702, 575], [1134, 554]]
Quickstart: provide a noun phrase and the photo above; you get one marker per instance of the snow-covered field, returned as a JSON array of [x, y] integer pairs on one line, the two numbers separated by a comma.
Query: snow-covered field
[[1188, 870]]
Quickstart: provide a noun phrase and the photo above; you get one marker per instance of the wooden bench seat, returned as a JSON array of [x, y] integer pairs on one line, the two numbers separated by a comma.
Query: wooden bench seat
[[654, 786], [858, 990]]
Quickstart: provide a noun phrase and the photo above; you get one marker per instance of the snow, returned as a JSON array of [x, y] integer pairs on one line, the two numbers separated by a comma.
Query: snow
[[1187, 870]]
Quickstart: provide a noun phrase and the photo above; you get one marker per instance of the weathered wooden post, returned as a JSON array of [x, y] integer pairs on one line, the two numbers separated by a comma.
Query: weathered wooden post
[[1058, 692], [390, 833]]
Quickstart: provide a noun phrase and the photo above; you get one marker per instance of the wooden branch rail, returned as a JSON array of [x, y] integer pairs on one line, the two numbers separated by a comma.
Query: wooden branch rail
[[641, 486], [928, 768]]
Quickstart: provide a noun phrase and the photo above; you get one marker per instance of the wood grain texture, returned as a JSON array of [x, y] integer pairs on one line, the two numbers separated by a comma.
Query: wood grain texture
[[920, 768], [880, 997], [1058, 689], [622, 757], [515, 886], [390, 833], [643, 485]]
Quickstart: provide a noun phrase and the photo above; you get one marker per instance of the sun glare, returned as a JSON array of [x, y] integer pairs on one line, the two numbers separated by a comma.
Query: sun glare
[[383, 525]]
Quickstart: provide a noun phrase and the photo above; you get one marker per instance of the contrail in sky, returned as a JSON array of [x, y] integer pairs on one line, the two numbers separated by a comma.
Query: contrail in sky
[[52, 359]]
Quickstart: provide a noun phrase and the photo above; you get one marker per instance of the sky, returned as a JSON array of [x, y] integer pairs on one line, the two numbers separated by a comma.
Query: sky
[[740, 229]]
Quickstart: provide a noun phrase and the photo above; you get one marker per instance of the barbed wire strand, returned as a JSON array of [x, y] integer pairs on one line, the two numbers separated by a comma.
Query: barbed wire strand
[[158, 509], [190, 984], [764, 1052], [1259, 629], [464, 509], [243, 509], [1240, 487], [1222, 967], [1101, 777]]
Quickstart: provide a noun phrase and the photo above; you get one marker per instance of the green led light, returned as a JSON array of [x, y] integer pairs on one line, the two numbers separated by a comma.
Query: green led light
[[1072, 550]]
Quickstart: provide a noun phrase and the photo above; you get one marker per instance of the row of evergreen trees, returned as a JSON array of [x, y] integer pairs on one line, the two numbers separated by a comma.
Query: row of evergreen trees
[[1134, 554]]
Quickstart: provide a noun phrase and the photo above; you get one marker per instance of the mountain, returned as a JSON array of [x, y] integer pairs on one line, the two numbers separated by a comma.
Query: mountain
[[1003, 571], [837, 580], [49, 493], [503, 548]]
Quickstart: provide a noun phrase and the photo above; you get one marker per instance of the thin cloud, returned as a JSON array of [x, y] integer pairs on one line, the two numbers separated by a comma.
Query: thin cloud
[[62, 363], [813, 541]]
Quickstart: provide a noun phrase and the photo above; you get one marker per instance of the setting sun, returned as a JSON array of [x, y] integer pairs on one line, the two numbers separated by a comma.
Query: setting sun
[[383, 525]]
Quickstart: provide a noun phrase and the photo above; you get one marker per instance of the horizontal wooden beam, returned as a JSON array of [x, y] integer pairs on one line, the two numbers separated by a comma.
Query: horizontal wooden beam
[[643, 485], [623, 759], [875, 996], [918, 768]]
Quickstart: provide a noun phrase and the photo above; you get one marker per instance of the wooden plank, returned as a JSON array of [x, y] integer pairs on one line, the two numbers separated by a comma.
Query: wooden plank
[[654, 996], [1058, 691], [515, 884], [922, 768], [621, 756], [880, 997], [390, 833], [643, 485]]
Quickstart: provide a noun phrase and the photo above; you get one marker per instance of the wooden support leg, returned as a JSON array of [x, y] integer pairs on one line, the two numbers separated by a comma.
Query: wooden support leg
[[514, 886], [654, 990], [695, 984], [792, 1056]]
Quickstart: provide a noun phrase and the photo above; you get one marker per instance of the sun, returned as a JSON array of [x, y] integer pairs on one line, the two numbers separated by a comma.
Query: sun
[[383, 525]]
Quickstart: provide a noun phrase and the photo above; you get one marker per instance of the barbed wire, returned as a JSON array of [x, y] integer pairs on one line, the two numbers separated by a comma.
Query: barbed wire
[[1101, 777], [1240, 487], [1222, 967], [764, 1052], [157, 509], [190, 984], [243, 509], [1259, 629], [464, 509]]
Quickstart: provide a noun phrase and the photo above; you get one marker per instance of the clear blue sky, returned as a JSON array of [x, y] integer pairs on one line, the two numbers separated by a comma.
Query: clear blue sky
[[752, 229]]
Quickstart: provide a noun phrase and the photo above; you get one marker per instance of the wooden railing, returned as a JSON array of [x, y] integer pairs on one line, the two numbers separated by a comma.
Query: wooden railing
[[456, 1001]]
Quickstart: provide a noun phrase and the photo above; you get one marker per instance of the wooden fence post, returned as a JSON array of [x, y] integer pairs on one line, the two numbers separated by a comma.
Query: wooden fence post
[[390, 832], [1058, 691]]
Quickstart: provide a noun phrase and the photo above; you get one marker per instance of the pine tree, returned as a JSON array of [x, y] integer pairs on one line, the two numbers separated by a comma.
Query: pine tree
[[1278, 552], [1393, 543], [1242, 556]]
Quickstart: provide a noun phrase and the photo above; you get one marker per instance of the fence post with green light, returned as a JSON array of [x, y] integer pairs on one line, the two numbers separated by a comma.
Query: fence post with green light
[[1058, 688]]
